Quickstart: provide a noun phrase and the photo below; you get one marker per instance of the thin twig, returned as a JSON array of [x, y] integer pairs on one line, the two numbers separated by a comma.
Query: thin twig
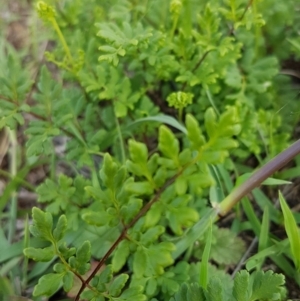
[[245, 256]]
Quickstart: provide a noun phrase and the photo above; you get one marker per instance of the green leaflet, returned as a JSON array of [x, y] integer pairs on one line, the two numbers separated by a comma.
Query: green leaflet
[[42, 224], [151, 235], [61, 227], [97, 218], [181, 217], [105, 276], [81, 262], [139, 160], [194, 132], [152, 260], [114, 285], [38, 254], [108, 171], [168, 144], [133, 293], [120, 256], [48, 285], [68, 281], [117, 285], [140, 188], [140, 258]]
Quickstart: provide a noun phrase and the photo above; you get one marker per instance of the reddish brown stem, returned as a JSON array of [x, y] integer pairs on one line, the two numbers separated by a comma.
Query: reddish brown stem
[[123, 234]]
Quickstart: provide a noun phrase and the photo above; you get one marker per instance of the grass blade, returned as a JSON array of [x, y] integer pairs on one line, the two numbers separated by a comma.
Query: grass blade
[[164, 119], [264, 233], [291, 230], [205, 259]]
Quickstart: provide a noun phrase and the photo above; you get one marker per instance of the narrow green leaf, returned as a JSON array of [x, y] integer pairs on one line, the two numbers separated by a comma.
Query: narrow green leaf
[[203, 281], [291, 230], [252, 217], [254, 261], [269, 181], [181, 185], [264, 231], [273, 181], [164, 119]]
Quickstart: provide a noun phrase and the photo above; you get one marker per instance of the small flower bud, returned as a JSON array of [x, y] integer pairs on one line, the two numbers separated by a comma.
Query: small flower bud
[[45, 11], [180, 100], [175, 7]]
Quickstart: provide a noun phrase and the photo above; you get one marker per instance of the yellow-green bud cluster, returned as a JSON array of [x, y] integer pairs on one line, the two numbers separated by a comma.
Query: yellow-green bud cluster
[[180, 100], [45, 11], [175, 7]]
